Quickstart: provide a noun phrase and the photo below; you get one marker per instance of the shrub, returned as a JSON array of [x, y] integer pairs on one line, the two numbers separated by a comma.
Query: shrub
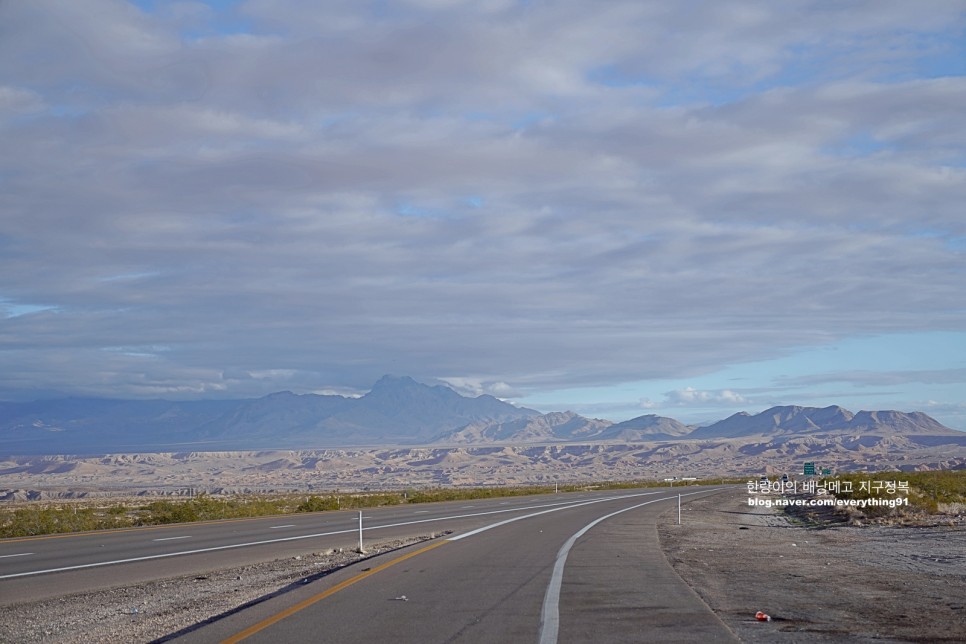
[[927, 490]]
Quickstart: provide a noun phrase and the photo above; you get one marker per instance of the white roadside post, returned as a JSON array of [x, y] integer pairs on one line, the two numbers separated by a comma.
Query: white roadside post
[[679, 509], [361, 551]]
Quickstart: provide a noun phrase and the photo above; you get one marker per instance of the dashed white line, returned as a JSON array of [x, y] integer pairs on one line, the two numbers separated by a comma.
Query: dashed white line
[[172, 538], [558, 506], [278, 527], [19, 554]]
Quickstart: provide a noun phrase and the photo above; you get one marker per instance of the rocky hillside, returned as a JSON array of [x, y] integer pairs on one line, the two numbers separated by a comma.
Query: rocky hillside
[[794, 420], [396, 411], [188, 473], [552, 427]]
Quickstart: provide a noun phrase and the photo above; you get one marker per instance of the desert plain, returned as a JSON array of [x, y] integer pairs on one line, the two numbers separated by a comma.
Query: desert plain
[[359, 469]]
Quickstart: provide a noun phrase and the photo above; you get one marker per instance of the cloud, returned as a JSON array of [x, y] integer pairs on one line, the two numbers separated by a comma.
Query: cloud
[[951, 414], [878, 378], [475, 387], [695, 397], [18, 100], [291, 197]]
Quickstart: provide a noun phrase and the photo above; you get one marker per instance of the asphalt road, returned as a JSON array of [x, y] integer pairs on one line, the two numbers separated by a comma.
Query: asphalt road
[[585, 566], [43, 567], [590, 571]]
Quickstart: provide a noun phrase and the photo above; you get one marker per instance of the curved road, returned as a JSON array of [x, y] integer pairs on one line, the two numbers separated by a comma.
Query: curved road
[[587, 572], [48, 566], [568, 568]]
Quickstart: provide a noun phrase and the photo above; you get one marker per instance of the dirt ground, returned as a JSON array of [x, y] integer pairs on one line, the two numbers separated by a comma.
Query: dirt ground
[[820, 581]]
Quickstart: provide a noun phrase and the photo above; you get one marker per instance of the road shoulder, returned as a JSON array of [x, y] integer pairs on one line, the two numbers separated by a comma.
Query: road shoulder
[[153, 610], [879, 583], [619, 582]]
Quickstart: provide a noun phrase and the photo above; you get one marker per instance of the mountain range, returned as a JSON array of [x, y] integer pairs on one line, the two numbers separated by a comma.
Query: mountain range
[[396, 411]]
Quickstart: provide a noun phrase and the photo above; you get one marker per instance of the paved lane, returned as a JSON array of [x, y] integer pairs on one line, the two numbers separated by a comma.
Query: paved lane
[[45, 567], [494, 585]]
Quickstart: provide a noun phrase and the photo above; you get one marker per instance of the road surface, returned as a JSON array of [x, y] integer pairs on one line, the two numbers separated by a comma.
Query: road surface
[[568, 568], [42, 567], [586, 572]]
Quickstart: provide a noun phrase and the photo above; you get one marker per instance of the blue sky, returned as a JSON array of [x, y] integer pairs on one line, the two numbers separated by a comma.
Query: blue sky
[[687, 209], [908, 371]]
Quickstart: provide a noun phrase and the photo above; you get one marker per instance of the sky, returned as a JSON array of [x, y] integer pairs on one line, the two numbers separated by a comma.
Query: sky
[[618, 208]]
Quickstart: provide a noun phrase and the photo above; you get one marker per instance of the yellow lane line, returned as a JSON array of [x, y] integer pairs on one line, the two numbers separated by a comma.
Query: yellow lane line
[[268, 621]]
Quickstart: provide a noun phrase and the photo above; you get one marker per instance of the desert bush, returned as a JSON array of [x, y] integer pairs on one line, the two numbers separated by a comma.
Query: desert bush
[[162, 512], [39, 519], [318, 504], [31, 521], [435, 495], [926, 492], [206, 508]]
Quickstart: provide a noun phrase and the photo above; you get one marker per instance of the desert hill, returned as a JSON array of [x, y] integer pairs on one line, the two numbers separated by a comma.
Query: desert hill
[[555, 426], [790, 420], [355, 469], [648, 427], [397, 411], [434, 437]]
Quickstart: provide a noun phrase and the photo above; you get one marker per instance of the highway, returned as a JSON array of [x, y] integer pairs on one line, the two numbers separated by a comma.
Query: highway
[[542, 569], [42, 567]]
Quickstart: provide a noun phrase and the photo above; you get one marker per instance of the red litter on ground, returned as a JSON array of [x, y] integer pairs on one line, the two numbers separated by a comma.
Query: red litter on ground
[[761, 617]]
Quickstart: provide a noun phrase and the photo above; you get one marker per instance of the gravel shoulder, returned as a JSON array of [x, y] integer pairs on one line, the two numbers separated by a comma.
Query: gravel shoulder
[[823, 582], [155, 610]]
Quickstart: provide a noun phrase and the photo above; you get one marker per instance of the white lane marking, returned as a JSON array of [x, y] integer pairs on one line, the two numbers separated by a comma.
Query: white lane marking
[[165, 555], [463, 507], [172, 538], [19, 554], [421, 512], [270, 541], [97, 564], [564, 504], [552, 509], [550, 614], [277, 527]]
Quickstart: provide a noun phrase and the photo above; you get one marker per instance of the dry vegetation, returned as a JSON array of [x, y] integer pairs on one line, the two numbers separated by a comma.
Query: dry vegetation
[[43, 517], [928, 492]]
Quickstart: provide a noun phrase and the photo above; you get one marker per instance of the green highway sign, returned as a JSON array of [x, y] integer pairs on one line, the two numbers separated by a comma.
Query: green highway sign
[[809, 469]]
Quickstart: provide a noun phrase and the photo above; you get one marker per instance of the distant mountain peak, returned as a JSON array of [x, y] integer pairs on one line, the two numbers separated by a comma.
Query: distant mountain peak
[[646, 427], [403, 389], [793, 419], [397, 410], [281, 394], [390, 380]]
